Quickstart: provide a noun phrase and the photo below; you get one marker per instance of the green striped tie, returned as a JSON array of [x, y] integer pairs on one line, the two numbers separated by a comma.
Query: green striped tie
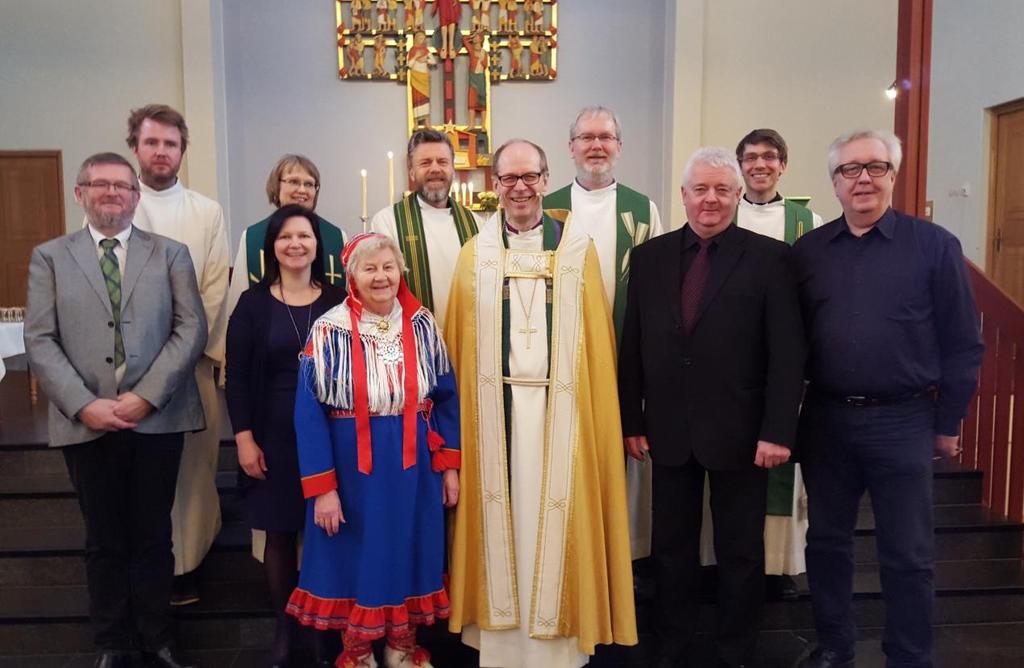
[[112, 277]]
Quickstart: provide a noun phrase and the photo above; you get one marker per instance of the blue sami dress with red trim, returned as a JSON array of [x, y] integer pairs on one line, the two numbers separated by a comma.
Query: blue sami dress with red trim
[[385, 567]]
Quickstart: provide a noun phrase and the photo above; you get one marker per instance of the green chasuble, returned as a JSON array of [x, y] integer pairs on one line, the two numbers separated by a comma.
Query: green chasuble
[[633, 214], [781, 479], [332, 239], [413, 242]]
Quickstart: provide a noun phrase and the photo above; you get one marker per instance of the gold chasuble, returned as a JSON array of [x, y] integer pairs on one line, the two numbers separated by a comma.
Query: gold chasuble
[[540, 561]]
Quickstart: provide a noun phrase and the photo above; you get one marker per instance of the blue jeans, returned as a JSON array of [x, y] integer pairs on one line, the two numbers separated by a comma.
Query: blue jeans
[[886, 450]]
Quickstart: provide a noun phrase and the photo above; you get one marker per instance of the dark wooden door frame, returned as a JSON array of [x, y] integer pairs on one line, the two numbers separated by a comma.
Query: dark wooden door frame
[[913, 81]]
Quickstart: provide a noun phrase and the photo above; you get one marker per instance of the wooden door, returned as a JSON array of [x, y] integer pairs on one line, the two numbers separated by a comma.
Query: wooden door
[[31, 212], [1005, 265]]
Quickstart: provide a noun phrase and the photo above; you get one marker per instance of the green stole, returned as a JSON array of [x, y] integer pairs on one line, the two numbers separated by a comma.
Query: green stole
[[799, 219], [633, 215], [781, 479], [552, 236], [330, 235], [413, 242]]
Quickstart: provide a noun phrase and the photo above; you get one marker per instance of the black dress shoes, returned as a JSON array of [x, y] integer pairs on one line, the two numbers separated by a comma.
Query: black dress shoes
[[826, 658], [168, 657], [113, 660]]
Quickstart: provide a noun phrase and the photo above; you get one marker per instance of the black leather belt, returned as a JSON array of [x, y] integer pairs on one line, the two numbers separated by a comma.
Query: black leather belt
[[863, 400]]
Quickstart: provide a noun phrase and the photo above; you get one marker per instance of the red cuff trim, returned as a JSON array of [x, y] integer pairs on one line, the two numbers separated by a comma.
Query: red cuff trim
[[320, 483], [366, 623], [445, 459]]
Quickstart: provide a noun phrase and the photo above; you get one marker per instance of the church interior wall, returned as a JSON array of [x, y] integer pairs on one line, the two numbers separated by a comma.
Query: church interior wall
[[679, 72], [977, 63], [806, 69], [283, 95], [69, 72]]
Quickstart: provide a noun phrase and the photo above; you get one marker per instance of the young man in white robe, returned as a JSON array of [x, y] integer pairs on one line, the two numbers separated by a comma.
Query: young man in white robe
[[763, 157], [158, 136]]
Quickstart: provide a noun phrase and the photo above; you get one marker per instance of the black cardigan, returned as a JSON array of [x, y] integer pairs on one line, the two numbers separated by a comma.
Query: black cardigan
[[247, 354]]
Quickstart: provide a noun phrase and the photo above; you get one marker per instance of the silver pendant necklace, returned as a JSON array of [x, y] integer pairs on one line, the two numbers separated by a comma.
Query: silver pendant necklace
[[309, 317]]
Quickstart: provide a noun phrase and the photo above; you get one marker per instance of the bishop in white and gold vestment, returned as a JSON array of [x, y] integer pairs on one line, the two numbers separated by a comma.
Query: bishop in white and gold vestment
[[540, 561]]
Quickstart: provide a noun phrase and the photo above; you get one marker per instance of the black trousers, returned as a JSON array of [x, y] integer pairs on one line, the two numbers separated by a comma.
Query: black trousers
[[125, 483], [886, 450], [738, 500]]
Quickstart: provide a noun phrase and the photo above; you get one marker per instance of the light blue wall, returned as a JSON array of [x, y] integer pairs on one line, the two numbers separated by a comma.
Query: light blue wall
[[289, 99], [977, 63]]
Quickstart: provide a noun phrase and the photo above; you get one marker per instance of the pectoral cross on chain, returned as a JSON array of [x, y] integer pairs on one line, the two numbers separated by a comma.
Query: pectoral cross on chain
[[528, 331]]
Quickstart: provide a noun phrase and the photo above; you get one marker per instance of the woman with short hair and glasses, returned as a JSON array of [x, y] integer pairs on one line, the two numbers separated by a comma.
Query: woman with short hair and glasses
[[295, 179]]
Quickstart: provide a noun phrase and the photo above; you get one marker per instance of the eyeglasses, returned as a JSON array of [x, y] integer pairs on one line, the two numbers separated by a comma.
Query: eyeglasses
[[767, 156], [529, 178], [852, 170], [120, 186], [588, 138], [298, 183]]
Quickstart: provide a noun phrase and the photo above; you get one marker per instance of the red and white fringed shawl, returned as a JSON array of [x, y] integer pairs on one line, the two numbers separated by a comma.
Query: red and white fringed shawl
[[354, 367]]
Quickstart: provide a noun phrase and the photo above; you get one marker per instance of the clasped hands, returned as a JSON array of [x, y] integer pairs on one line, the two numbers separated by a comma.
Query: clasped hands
[[125, 412], [768, 456]]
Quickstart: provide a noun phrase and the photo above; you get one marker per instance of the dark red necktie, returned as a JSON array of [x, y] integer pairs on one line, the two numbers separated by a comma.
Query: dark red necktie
[[693, 284]]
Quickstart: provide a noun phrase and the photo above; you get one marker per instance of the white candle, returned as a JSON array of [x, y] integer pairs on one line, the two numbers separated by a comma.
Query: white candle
[[470, 202], [391, 177], [454, 193], [362, 176], [462, 197]]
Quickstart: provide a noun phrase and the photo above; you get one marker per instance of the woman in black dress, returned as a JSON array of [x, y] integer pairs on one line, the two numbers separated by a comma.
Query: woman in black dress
[[266, 333]]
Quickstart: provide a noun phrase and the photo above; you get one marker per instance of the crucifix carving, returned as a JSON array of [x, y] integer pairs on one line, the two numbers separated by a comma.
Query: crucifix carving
[[470, 50]]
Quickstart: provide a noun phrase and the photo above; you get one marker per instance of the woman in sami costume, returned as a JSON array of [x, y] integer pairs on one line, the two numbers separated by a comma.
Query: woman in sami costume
[[379, 456]]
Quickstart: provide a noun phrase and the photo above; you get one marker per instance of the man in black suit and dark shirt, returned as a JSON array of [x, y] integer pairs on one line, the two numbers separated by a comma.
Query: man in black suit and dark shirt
[[710, 378], [894, 355]]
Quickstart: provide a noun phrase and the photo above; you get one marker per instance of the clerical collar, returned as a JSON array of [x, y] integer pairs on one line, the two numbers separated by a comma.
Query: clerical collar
[[582, 187], [777, 198], [512, 230]]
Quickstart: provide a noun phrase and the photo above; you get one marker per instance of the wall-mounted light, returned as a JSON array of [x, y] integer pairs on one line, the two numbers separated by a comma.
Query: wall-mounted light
[[891, 92]]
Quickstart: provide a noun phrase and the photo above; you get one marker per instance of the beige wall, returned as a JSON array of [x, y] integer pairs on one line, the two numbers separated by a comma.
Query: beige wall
[[69, 72], [977, 64], [781, 64]]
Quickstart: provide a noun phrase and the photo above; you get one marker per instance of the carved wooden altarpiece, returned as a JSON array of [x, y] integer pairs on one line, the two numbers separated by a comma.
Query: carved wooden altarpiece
[[474, 43]]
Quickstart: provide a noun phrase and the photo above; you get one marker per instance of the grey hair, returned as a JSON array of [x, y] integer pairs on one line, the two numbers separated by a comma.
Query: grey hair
[[713, 156], [891, 141], [370, 246], [591, 111], [105, 159]]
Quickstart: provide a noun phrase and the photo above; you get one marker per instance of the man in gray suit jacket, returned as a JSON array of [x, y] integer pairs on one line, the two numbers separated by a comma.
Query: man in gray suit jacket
[[113, 329]]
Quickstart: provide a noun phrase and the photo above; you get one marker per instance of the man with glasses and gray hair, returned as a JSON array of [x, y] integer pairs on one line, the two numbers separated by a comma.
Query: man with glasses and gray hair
[[618, 219], [113, 328], [894, 355]]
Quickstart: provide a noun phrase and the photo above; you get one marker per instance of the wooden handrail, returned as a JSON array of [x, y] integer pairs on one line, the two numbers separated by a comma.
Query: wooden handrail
[[993, 431]]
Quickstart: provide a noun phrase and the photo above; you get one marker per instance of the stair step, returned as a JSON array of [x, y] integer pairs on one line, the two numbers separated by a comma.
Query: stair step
[[58, 485]]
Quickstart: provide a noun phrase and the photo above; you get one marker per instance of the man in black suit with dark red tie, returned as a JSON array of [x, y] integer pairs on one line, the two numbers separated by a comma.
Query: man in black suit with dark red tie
[[710, 380]]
